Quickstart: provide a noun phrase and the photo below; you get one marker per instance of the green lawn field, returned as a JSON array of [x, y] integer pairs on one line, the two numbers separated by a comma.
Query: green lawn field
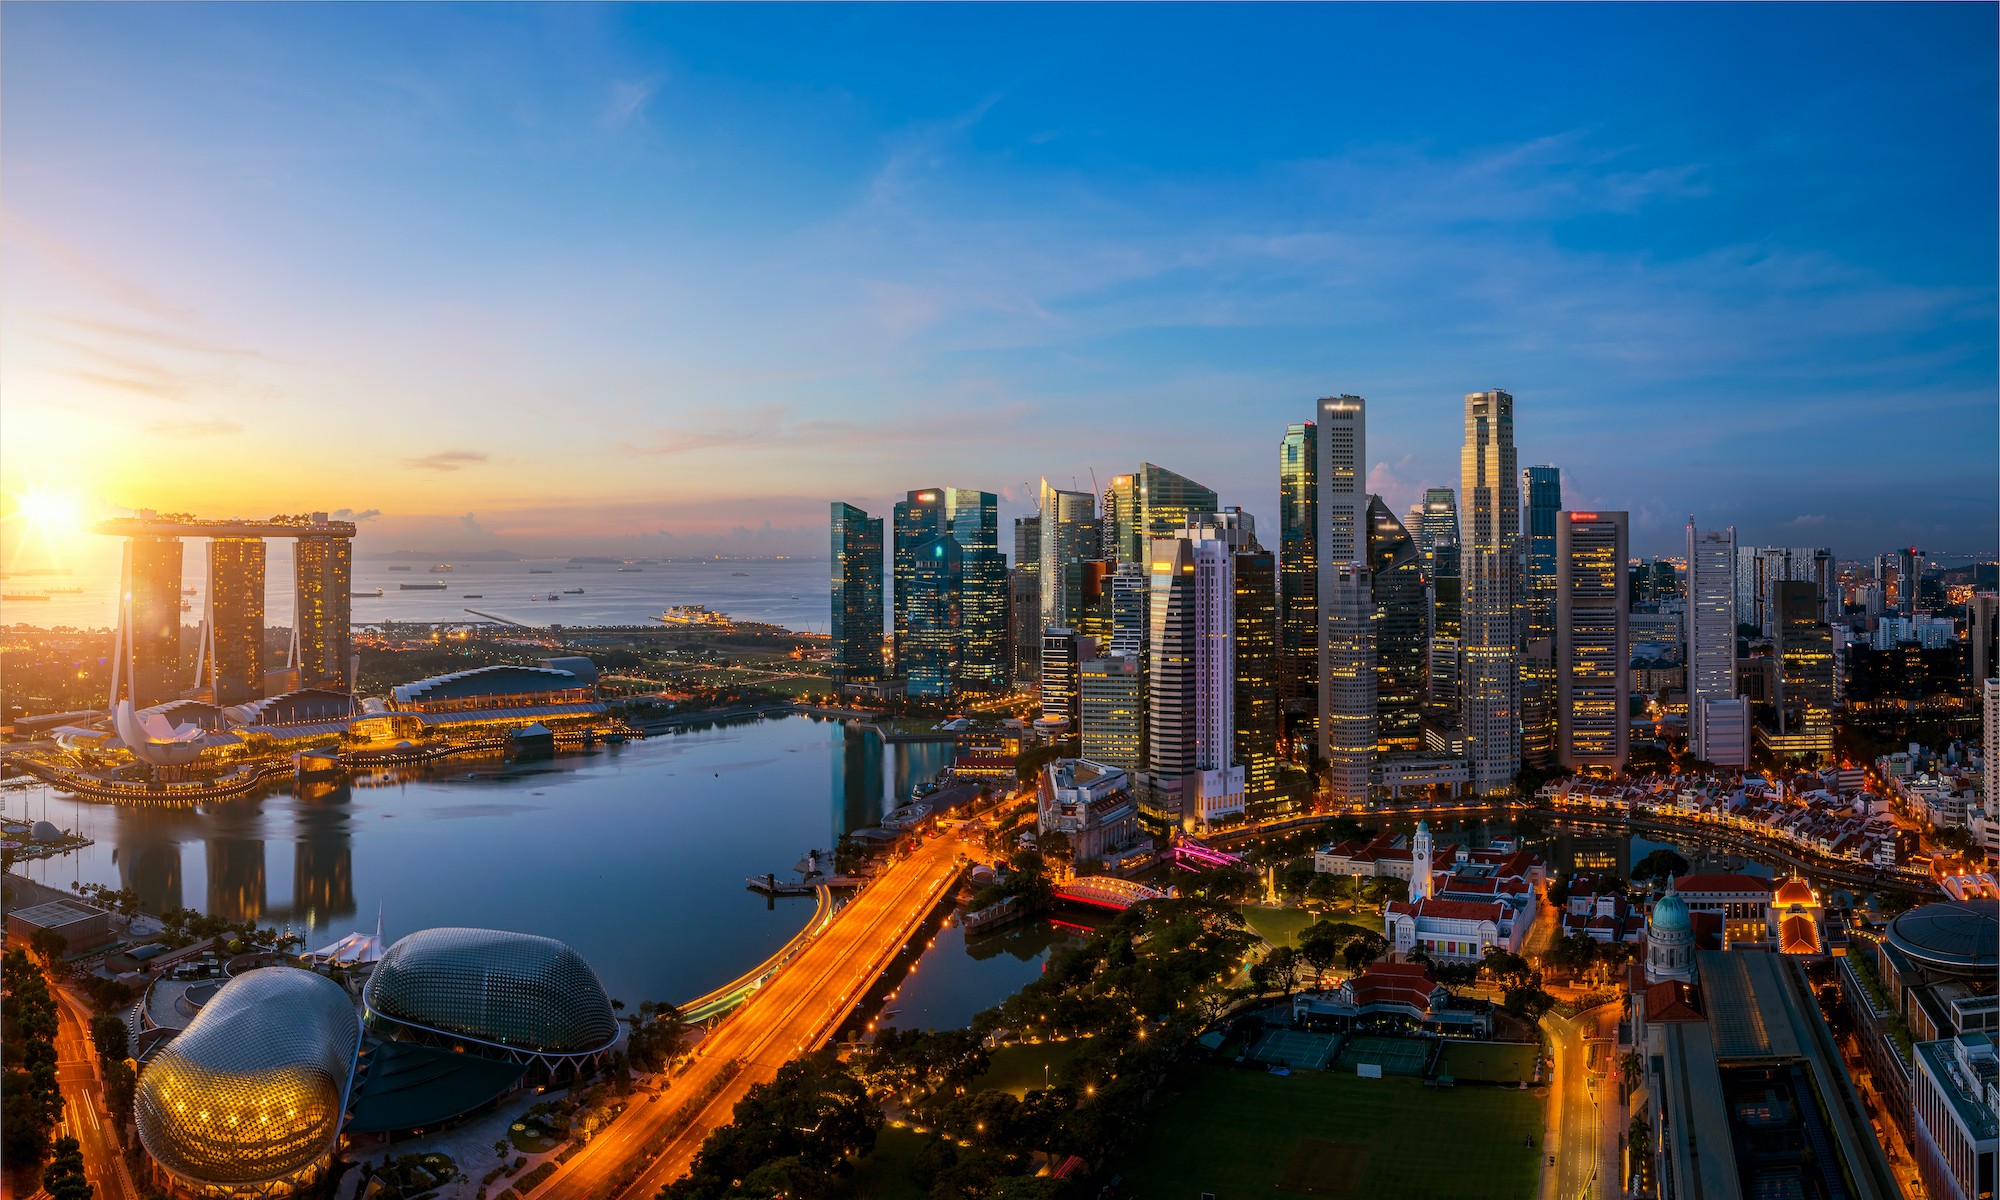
[[890, 1172], [1018, 1068], [1493, 1062], [1282, 926], [1244, 1135]]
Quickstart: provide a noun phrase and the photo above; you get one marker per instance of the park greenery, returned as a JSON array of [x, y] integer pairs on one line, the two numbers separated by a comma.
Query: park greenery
[[30, 1098], [63, 1178], [655, 1037], [1128, 1001]]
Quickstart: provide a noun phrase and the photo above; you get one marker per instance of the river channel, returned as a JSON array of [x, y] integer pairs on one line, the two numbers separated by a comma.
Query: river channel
[[634, 854]]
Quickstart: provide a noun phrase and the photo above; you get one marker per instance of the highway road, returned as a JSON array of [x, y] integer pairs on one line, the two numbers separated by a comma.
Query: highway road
[[84, 1116], [1583, 1109], [797, 1011]]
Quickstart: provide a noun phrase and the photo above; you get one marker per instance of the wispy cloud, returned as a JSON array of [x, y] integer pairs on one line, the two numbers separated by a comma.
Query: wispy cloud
[[628, 101], [447, 460], [189, 430], [348, 514]]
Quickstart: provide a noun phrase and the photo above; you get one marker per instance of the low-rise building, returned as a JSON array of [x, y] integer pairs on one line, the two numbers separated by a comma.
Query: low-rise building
[[1090, 803]]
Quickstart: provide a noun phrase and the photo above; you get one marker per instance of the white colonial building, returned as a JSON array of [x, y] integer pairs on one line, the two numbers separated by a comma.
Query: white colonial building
[[1462, 913]]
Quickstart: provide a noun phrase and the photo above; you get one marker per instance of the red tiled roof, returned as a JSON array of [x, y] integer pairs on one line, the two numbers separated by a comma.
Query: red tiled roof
[[1673, 1001], [1451, 910], [1395, 983], [1797, 935]]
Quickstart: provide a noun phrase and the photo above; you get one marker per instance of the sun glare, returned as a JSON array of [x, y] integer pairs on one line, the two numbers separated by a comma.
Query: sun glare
[[50, 514]]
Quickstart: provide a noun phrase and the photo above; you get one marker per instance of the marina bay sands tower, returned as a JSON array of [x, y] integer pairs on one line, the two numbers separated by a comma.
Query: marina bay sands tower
[[1490, 496], [146, 663]]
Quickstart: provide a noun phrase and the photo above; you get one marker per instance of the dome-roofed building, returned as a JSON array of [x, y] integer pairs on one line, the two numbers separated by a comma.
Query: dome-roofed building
[[248, 1099], [1670, 940], [514, 995], [1960, 937]]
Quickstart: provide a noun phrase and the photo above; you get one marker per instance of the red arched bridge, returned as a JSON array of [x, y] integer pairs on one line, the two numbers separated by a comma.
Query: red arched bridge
[[1106, 891]]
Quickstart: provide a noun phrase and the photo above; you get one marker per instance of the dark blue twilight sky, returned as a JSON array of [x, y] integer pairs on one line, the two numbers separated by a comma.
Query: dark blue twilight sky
[[670, 278]]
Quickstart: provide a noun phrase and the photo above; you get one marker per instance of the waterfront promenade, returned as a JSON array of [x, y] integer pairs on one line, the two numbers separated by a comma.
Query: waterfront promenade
[[653, 1142]]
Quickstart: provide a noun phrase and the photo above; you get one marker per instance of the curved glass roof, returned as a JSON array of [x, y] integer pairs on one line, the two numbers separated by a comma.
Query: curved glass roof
[[1957, 935], [514, 990], [486, 681], [253, 1090]]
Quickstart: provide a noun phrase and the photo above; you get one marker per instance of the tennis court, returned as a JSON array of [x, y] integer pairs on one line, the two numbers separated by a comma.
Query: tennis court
[[1396, 1056], [1294, 1048]]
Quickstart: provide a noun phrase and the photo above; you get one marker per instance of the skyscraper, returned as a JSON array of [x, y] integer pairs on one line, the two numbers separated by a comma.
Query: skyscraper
[[233, 658], [1541, 488], [1298, 575], [1346, 604], [918, 518], [1062, 652], [857, 595], [1437, 535], [1593, 642], [976, 607], [1717, 721], [321, 637], [1910, 570], [1024, 600], [1155, 502], [1114, 711], [933, 644], [146, 665], [1805, 657], [1191, 686], [1982, 640], [1396, 587], [1067, 539], [1254, 654], [1489, 485], [1129, 598]]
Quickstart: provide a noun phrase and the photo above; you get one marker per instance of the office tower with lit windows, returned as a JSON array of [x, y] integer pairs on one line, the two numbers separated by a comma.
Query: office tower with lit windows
[[1982, 639], [321, 636], [233, 647], [1093, 618], [1113, 703], [1118, 495], [1396, 587], [1254, 649], [1437, 536], [1155, 502], [933, 643], [1593, 641], [857, 595], [1130, 595], [1346, 603], [1191, 685], [1298, 580], [146, 663], [973, 518], [1989, 711], [918, 518], [1062, 652], [1489, 488], [1541, 491], [1910, 570], [1170, 676], [1068, 539], [1024, 600], [1718, 722], [1805, 658]]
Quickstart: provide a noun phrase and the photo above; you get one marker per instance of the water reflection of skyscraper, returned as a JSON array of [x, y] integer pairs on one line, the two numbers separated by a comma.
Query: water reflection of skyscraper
[[236, 878], [150, 865], [323, 856], [857, 780]]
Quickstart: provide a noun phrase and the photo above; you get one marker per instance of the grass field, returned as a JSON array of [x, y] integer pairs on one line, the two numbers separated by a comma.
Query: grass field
[[1018, 1069], [1493, 1062], [1282, 926], [1396, 1056], [1247, 1134]]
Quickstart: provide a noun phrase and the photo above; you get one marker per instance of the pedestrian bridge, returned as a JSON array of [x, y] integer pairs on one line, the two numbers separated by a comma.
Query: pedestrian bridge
[[1192, 855], [1106, 891]]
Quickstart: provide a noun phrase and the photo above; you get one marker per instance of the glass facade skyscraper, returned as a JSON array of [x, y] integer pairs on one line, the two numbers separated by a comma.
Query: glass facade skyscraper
[[321, 638], [1255, 652], [1593, 643], [933, 642], [1068, 537], [1490, 487], [1541, 489], [1347, 611], [857, 595], [233, 652], [1396, 588], [977, 583], [1298, 575]]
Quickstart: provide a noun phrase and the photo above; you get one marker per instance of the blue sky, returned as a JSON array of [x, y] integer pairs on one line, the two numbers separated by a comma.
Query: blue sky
[[670, 278]]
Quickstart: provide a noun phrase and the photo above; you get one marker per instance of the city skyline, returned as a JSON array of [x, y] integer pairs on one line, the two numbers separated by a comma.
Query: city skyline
[[698, 252]]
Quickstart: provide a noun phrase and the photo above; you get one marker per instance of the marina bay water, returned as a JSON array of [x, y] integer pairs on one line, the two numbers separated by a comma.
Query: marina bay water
[[634, 854], [790, 592]]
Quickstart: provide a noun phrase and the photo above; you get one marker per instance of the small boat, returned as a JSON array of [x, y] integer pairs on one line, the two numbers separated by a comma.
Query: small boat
[[573, 567], [423, 587], [631, 568], [441, 568], [744, 574], [540, 571], [190, 591], [572, 591], [474, 596], [186, 605], [364, 595], [553, 596], [11, 596]]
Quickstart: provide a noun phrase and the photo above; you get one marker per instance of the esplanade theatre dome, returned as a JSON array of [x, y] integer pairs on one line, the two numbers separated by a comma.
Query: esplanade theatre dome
[[249, 1098], [527, 995]]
